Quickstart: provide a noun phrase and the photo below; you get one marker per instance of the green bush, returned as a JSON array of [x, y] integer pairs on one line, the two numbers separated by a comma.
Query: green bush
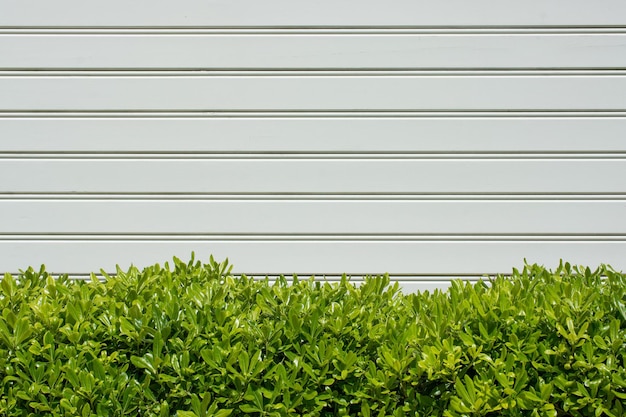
[[197, 341]]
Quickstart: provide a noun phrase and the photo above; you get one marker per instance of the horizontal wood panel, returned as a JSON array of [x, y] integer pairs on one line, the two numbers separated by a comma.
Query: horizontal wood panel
[[305, 258], [312, 93], [345, 51], [312, 217], [458, 134], [313, 175], [307, 13]]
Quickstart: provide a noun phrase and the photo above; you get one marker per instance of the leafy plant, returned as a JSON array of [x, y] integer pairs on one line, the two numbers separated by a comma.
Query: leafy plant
[[192, 340]]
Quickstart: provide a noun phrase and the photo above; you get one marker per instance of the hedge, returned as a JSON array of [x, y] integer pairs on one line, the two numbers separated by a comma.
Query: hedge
[[192, 340]]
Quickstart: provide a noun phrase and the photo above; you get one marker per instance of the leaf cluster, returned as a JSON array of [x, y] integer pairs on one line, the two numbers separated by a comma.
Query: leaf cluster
[[192, 340]]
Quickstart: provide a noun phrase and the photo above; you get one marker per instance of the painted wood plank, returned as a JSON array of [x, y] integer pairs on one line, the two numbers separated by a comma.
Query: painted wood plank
[[306, 13], [317, 134], [313, 51], [313, 257], [313, 175], [313, 93], [312, 217]]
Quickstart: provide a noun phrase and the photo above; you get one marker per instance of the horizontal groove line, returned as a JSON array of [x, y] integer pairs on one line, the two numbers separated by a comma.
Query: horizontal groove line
[[312, 196], [314, 235], [11, 153], [306, 155], [353, 113], [357, 158], [312, 32], [361, 200], [194, 238], [327, 158], [313, 73], [304, 70], [306, 114], [306, 29], [339, 71]]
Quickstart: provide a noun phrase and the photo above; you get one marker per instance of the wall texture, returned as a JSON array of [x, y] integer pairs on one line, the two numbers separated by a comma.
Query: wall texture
[[427, 139]]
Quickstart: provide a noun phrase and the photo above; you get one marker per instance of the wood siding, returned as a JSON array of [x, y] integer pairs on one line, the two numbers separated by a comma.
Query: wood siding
[[429, 140]]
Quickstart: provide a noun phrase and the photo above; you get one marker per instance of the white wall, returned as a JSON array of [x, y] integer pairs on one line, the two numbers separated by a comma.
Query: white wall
[[427, 139]]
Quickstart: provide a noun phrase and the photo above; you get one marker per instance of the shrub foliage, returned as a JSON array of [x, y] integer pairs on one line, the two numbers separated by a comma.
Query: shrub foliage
[[191, 340]]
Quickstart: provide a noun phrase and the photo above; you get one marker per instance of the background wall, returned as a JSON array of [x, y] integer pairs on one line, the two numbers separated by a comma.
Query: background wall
[[425, 139]]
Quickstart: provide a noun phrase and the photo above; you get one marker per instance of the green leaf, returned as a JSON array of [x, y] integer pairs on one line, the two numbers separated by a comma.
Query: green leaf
[[464, 393], [365, 409], [527, 395], [247, 408], [7, 284], [145, 362]]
